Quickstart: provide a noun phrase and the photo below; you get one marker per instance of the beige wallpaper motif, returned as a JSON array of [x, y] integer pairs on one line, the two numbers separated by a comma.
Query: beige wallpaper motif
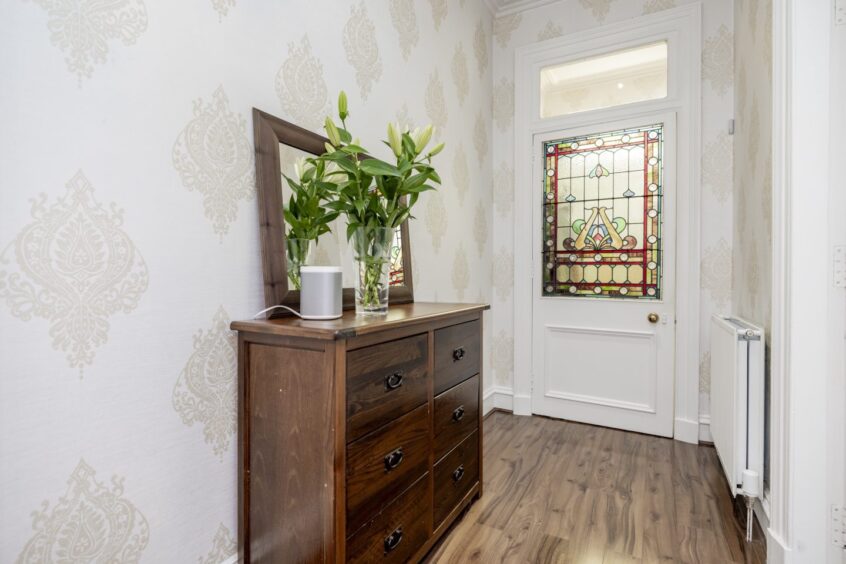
[[92, 522], [404, 19], [460, 272], [598, 8], [503, 274], [84, 29], [436, 108], [481, 48], [205, 392], [717, 165], [480, 136], [652, 6], [717, 53], [480, 227], [503, 193], [439, 12], [503, 104], [504, 26], [716, 273], [436, 217], [460, 75], [222, 7], [460, 174], [362, 50], [550, 31], [224, 546], [214, 157], [75, 267], [301, 87]]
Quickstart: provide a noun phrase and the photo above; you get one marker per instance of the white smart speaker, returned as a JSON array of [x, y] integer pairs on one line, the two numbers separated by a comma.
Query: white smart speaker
[[321, 294]]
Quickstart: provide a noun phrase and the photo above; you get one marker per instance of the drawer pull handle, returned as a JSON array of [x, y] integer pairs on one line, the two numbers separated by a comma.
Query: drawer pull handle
[[458, 414], [393, 460], [393, 381], [458, 473], [458, 354], [392, 541]]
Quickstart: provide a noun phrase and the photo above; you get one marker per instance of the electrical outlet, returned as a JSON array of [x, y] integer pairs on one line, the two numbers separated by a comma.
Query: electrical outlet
[[838, 526], [839, 12]]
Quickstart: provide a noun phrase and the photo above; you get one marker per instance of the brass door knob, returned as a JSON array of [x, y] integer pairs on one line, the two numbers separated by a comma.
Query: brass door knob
[[652, 317]]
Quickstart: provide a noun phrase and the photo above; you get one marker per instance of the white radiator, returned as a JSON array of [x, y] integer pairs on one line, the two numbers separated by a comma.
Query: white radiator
[[737, 397]]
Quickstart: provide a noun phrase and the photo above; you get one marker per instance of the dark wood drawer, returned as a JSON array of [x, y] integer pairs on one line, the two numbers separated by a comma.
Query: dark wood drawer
[[385, 381], [456, 415], [455, 474], [398, 531], [384, 463], [457, 354]]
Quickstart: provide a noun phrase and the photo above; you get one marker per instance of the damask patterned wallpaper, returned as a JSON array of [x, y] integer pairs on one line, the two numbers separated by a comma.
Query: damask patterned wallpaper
[[570, 16], [129, 237], [753, 196]]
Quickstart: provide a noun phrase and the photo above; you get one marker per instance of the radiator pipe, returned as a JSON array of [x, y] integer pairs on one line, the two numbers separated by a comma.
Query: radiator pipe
[[751, 488]]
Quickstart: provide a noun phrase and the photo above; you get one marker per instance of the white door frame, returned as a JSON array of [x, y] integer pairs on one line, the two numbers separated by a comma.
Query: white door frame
[[681, 27], [803, 471]]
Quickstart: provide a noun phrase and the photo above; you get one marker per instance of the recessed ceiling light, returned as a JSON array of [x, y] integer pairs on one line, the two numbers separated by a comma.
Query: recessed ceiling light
[[620, 85]]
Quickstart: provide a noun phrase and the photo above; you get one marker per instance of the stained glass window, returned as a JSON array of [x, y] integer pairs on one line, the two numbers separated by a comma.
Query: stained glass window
[[397, 277], [602, 215]]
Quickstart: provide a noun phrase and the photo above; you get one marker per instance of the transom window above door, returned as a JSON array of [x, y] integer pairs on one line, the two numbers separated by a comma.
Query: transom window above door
[[603, 81], [601, 205]]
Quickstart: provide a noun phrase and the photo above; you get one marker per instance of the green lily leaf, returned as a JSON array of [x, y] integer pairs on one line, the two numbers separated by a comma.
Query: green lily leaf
[[376, 167]]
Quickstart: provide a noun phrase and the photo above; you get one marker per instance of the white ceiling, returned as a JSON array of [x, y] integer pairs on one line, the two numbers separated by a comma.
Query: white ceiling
[[506, 7]]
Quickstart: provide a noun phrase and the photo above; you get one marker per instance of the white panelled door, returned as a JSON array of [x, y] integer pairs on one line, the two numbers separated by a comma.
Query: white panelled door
[[603, 289]]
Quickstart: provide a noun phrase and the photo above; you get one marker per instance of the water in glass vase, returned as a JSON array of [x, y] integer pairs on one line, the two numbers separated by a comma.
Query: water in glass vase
[[298, 254], [372, 248]]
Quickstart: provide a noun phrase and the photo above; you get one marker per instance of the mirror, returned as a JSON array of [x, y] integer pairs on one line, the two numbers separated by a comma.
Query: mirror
[[279, 144]]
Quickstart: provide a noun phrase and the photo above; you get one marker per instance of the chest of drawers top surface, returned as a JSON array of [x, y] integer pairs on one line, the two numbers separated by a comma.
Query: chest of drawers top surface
[[351, 325]]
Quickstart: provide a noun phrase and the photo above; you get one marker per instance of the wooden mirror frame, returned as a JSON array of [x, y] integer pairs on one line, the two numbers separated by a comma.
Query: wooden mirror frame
[[269, 131]]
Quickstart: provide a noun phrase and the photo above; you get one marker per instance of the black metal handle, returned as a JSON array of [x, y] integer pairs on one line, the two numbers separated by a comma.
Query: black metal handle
[[458, 473], [458, 414], [392, 541], [393, 381], [458, 354], [393, 460]]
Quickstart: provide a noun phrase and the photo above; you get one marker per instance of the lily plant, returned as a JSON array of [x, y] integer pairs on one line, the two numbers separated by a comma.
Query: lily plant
[[306, 213], [371, 192], [374, 195]]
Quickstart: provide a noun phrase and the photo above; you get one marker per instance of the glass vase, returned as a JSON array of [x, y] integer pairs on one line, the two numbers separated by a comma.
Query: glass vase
[[372, 253], [297, 250]]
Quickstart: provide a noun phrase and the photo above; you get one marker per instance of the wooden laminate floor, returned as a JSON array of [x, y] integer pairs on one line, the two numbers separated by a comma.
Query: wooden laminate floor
[[556, 491]]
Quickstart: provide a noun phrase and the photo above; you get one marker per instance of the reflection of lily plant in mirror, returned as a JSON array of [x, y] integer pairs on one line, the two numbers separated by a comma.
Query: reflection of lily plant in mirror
[[375, 196], [306, 213]]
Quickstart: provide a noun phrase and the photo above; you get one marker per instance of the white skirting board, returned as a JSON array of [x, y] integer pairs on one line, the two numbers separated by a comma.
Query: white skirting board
[[497, 397], [502, 397], [231, 560], [705, 429], [686, 430]]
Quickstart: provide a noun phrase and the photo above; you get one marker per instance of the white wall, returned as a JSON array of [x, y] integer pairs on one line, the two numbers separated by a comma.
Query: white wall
[[813, 369], [568, 16], [117, 281], [836, 408]]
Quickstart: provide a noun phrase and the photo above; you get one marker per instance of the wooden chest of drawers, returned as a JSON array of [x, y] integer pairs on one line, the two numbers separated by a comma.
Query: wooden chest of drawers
[[360, 439]]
